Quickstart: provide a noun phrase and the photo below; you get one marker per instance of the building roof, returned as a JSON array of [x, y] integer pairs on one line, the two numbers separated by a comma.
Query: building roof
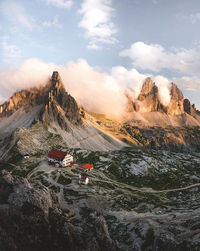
[[87, 166], [56, 154], [83, 178]]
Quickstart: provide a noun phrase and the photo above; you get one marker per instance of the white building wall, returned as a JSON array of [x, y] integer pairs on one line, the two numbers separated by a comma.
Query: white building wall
[[67, 160]]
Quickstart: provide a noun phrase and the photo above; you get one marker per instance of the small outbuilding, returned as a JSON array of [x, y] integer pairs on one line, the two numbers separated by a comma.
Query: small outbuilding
[[83, 179], [59, 158], [86, 167], [26, 155]]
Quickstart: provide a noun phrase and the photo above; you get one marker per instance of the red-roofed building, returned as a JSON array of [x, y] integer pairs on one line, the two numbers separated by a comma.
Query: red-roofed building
[[86, 167], [83, 179], [60, 158]]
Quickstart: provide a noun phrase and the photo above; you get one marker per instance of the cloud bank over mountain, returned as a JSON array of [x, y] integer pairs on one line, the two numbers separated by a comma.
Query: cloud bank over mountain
[[96, 91]]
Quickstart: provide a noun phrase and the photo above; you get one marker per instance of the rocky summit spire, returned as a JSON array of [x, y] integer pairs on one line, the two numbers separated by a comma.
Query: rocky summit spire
[[175, 106], [59, 99], [149, 101], [57, 84], [148, 88]]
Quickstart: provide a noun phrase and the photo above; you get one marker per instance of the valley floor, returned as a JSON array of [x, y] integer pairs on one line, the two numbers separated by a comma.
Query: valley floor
[[150, 199]]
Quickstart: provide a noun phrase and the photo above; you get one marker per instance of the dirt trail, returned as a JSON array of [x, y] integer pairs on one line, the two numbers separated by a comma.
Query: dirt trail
[[99, 176], [176, 189], [145, 189]]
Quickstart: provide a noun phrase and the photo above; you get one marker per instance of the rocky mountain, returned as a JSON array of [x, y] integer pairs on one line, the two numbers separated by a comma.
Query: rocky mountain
[[143, 193], [42, 114], [50, 96], [34, 120], [59, 100], [189, 108], [149, 101], [31, 219]]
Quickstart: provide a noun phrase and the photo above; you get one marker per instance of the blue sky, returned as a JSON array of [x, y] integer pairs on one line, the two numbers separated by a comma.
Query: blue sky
[[154, 37]]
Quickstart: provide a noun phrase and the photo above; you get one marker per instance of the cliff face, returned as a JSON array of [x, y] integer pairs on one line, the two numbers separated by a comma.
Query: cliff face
[[23, 99], [148, 97], [190, 109], [176, 103], [148, 101], [60, 104], [31, 219], [53, 97]]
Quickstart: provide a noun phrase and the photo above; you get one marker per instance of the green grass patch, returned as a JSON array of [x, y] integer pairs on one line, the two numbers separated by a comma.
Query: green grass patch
[[63, 180]]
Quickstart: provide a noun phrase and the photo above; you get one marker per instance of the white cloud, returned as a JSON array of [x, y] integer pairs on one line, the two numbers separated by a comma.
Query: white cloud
[[154, 57], [130, 80], [16, 13], [96, 91], [53, 23], [85, 86], [94, 46], [164, 86], [194, 18], [96, 20], [59, 3], [10, 52]]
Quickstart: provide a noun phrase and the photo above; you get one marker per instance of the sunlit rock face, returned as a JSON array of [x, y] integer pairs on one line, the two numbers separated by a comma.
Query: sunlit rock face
[[61, 103], [176, 103], [190, 109], [53, 98], [148, 97], [149, 101], [31, 219], [25, 99]]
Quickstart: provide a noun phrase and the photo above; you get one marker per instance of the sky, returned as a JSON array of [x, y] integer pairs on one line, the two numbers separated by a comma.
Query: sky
[[117, 41]]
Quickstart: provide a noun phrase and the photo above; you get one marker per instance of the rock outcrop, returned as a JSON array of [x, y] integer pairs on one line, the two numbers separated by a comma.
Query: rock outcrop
[[149, 101], [60, 104], [190, 109], [170, 138], [53, 97], [175, 106], [148, 97], [23, 99], [31, 219]]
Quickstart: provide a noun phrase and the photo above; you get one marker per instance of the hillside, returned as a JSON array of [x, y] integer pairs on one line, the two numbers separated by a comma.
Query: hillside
[[37, 119], [143, 193], [136, 199]]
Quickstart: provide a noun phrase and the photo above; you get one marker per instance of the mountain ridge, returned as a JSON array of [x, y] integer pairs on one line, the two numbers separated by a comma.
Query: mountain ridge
[[149, 101], [32, 118]]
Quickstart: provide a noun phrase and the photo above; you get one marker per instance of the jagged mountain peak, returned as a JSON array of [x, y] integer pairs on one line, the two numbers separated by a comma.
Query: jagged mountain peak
[[148, 89], [176, 93], [53, 99], [149, 100], [147, 86], [56, 83]]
